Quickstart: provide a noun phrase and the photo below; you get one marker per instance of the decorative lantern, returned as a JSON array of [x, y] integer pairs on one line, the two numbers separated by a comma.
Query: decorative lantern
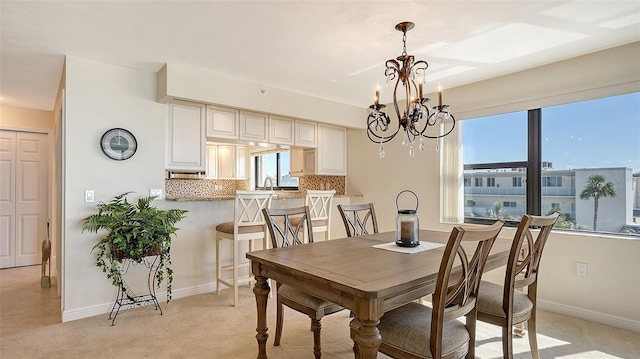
[[407, 224]]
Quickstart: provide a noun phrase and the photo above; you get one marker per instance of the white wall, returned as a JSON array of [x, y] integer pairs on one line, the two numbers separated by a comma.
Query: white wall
[[611, 292], [100, 97]]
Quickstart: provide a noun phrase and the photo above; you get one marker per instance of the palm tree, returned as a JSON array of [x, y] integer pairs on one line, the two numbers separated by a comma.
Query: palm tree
[[597, 186]]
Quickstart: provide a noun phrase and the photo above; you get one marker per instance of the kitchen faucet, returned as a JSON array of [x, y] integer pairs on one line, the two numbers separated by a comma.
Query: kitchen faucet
[[270, 180]]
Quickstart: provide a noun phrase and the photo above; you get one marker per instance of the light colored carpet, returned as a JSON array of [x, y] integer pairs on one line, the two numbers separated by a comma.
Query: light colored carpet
[[207, 326]]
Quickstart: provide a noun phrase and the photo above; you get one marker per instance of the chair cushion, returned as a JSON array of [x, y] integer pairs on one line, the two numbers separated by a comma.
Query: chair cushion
[[296, 295], [490, 302], [227, 227], [409, 328]]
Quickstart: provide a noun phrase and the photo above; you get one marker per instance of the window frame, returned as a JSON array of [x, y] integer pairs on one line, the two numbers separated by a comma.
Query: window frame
[[276, 184]]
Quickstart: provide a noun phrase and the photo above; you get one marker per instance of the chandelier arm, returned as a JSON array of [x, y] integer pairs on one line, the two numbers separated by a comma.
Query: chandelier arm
[[373, 119], [453, 125]]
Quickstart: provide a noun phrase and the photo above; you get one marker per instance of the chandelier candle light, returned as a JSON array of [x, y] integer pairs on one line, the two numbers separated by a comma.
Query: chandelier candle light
[[417, 117]]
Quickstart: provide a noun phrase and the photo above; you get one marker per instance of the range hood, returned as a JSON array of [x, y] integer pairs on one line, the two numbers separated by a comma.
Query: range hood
[[185, 175]]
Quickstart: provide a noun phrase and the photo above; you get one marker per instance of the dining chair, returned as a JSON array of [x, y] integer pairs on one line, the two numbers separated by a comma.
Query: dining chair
[[415, 330], [283, 234], [504, 305], [319, 203], [356, 219], [248, 225]]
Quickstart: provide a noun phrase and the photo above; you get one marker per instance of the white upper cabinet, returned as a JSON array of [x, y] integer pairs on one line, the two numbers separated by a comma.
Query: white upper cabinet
[[222, 122], [281, 130], [296, 162], [212, 162], [242, 153], [232, 161], [185, 137], [254, 126], [306, 134], [331, 155]]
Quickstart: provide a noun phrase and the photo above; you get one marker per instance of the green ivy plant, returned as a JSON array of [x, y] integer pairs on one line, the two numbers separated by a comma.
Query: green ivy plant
[[135, 230]]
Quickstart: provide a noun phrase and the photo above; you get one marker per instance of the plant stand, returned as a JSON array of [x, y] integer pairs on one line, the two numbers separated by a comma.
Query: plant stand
[[126, 297]]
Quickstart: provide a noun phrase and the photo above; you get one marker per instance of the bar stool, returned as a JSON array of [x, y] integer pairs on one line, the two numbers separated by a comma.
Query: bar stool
[[319, 203], [248, 225]]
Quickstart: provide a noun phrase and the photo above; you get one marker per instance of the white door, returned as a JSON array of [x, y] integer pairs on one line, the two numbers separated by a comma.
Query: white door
[[23, 197]]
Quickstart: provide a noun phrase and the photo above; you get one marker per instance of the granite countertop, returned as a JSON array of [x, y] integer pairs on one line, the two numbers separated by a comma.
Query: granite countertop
[[278, 196]]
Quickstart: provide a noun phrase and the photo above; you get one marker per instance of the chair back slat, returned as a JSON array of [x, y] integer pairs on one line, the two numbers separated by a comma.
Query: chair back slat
[[283, 233], [356, 219], [470, 247], [319, 203], [248, 207], [526, 252]]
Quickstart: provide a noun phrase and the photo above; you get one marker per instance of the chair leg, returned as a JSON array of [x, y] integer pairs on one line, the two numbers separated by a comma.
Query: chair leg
[[471, 321], [218, 266], [316, 325], [507, 342], [235, 272], [279, 323], [533, 339]]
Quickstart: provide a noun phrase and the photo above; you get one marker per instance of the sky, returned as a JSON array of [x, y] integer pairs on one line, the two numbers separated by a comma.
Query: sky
[[590, 134]]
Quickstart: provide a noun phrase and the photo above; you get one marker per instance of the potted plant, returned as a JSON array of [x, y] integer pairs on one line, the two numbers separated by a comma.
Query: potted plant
[[135, 230]]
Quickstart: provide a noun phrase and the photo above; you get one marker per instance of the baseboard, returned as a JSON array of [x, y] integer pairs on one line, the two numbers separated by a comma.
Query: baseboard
[[105, 308], [590, 315]]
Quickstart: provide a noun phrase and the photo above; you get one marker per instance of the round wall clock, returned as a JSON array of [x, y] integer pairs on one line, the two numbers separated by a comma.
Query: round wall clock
[[118, 144]]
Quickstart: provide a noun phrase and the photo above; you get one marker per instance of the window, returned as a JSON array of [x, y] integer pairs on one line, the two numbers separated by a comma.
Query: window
[[516, 181], [275, 166], [467, 182], [491, 182], [552, 181], [568, 157], [478, 182]]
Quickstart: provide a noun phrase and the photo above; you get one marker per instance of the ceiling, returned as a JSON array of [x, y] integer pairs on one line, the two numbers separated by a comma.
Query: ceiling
[[329, 49]]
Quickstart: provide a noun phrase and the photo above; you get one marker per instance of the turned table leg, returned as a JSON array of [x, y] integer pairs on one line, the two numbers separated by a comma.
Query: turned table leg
[[261, 290], [368, 339]]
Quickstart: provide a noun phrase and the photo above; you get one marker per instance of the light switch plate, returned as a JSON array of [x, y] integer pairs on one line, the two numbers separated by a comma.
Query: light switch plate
[[89, 196], [157, 192]]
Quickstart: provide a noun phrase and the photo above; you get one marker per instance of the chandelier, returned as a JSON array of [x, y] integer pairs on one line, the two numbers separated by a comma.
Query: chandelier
[[416, 116]]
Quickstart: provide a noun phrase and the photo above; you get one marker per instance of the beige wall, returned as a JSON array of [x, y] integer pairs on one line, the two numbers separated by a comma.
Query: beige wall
[[611, 292], [24, 118]]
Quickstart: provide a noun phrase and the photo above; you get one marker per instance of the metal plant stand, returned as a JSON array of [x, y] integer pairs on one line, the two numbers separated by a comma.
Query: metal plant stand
[[126, 297]]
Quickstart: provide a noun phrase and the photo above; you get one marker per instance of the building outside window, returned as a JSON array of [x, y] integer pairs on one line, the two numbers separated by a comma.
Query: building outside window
[[583, 159], [491, 182], [478, 182]]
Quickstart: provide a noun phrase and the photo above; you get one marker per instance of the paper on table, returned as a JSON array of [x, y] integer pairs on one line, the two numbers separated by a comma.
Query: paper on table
[[423, 246]]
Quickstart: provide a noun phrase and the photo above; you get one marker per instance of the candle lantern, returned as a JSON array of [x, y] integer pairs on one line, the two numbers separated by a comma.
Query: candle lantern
[[407, 224]]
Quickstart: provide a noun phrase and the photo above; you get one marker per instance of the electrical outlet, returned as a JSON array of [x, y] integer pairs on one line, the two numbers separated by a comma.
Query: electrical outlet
[[155, 192], [581, 269], [88, 196]]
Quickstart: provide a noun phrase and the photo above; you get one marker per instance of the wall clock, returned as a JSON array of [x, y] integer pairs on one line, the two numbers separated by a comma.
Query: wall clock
[[118, 144]]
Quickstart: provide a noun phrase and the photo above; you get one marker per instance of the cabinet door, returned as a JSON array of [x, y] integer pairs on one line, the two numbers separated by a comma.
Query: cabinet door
[[241, 162], [222, 122], [212, 162], [253, 126], [332, 151], [296, 162], [305, 134], [280, 130], [309, 162], [226, 162], [185, 137]]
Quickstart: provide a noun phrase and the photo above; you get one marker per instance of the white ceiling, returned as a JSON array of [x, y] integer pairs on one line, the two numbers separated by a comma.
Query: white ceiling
[[330, 49]]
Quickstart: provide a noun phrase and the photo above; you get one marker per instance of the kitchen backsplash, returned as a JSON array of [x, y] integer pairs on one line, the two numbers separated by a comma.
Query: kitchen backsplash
[[208, 188]]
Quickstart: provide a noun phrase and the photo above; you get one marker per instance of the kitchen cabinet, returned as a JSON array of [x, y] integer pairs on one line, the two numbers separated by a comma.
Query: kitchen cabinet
[[185, 140], [232, 162], [254, 126], [212, 162], [305, 134], [281, 130], [222, 122], [330, 157], [296, 162]]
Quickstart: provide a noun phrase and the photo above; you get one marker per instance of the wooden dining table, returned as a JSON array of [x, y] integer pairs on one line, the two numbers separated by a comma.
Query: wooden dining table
[[352, 273]]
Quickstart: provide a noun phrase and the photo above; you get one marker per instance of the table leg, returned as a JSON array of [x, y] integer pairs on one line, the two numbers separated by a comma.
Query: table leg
[[261, 291], [368, 339]]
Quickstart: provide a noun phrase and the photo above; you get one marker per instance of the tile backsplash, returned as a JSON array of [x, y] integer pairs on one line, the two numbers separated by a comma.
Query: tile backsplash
[[208, 188]]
